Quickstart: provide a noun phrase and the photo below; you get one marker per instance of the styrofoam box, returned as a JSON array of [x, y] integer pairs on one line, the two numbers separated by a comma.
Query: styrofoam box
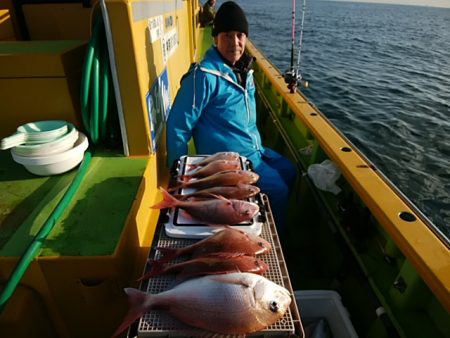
[[326, 304]]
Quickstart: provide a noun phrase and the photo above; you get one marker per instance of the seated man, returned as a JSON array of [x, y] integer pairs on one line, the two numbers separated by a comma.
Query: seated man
[[208, 13], [216, 106]]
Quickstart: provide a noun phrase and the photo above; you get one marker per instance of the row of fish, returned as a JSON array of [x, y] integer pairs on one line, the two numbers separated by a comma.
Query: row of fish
[[220, 287], [228, 250], [221, 190]]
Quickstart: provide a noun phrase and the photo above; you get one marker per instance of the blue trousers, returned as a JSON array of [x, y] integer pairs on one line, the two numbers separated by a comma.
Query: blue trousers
[[277, 176]]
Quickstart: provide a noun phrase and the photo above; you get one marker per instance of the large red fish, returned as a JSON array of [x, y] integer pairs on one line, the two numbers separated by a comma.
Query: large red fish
[[212, 264], [223, 178], [226, 240], [232, 304], [239, 192], [217, 210], [212, 168]]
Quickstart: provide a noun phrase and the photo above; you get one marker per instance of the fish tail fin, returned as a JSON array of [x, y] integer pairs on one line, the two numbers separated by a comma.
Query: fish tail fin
[[167, 202], [168, 253], [137, 300], [157, 269]]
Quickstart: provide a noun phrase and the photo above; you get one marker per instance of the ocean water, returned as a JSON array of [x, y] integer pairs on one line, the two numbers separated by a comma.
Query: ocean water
[[381, 74]]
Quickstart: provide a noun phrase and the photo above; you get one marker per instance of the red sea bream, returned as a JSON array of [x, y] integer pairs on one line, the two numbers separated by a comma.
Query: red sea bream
[[223, 178], [212, 264], [212, 168], [227, 240], [214, 211], [235, 303], [224, 155], [239, 192]]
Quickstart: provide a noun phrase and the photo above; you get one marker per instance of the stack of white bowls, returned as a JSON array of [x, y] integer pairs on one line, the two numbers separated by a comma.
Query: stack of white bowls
[[47, 147]]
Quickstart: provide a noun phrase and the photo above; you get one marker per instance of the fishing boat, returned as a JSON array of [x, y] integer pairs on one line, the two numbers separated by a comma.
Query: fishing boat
[[70, 243]]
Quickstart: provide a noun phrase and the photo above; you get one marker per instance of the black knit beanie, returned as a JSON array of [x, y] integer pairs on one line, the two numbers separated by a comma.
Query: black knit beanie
[[230, 17]]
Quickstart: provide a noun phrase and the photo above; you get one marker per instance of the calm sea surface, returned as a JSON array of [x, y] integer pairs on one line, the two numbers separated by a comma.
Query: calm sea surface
[[381, 74]]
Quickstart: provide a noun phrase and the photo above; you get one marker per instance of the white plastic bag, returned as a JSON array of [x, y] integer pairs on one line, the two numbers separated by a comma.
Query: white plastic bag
[[324, 176]]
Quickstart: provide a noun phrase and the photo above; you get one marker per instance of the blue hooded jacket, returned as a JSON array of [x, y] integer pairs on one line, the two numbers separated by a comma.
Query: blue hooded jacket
[[213, 108]]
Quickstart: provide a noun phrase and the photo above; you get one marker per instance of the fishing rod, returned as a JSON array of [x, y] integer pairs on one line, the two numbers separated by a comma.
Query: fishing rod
[[293, 77]]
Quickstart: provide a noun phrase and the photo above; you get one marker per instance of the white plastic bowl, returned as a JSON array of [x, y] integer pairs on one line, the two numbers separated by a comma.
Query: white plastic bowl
[[58, 145], [35, 132], [56, 163]]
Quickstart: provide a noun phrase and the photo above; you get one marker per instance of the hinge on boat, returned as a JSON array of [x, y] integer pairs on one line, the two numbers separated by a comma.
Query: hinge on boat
[[400, 284]]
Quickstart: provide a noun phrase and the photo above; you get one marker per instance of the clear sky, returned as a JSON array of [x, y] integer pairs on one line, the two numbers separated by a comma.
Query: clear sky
[[432, 3]]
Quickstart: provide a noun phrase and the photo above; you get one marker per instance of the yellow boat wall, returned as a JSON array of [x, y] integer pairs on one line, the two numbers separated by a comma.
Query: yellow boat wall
[[401, 231], [151, 43], [415, 239], [8, 26]]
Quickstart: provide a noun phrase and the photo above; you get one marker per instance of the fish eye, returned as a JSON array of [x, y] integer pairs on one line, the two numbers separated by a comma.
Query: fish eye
[[261, 244], [273, 306]]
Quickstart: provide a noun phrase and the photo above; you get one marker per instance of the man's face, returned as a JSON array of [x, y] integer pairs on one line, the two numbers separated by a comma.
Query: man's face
[[231, 45]]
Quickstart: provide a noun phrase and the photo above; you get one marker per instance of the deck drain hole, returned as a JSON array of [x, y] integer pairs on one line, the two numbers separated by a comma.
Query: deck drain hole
[[313, 114], [407, 216], [346, 149]]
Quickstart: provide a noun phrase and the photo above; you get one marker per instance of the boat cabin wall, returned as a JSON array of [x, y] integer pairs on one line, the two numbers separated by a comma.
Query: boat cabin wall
[[151, 45], [42, 48]]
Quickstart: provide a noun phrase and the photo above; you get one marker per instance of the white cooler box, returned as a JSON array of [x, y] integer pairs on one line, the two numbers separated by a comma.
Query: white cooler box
[[316, 304]]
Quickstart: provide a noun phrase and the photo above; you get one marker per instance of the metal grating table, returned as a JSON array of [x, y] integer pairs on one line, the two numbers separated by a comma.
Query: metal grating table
[[159, 324]]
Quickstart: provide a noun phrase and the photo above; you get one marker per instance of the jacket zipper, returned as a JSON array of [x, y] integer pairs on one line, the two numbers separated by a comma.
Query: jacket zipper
[[247, 105]]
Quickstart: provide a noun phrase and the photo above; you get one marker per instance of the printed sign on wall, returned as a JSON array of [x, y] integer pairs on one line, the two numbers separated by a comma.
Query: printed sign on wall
[[158, 107], [169, 43], [155, 27]]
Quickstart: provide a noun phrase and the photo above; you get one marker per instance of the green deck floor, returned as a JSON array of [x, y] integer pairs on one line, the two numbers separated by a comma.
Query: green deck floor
[[93, 222]]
